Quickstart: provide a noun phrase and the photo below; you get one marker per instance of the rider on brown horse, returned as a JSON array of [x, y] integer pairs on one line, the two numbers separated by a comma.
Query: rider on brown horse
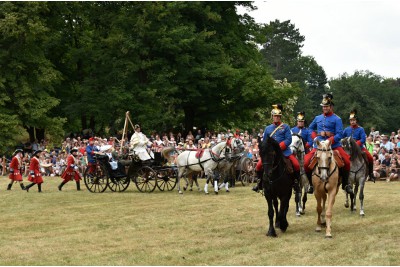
[[329, 126]]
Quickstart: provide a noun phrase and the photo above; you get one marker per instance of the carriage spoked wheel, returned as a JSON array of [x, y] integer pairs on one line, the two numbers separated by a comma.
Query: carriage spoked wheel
[[119, 184], [166, 179], [145, 179], [246, 172], [98, 181]]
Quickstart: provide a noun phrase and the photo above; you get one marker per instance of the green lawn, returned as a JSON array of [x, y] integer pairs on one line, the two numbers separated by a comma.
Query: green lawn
[[165, 228]]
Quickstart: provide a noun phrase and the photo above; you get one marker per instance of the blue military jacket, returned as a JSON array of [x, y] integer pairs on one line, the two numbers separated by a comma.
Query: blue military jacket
[[305, 133], [358, 134], [328, 123], [89, 150], [281, 135]]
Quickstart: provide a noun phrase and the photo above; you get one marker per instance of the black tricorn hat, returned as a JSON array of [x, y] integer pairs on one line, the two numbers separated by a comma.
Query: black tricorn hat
[[18, 150], [36, 152]]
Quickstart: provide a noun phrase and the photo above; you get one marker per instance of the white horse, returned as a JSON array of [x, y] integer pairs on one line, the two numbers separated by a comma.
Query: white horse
[[298, 148], [187, 162]]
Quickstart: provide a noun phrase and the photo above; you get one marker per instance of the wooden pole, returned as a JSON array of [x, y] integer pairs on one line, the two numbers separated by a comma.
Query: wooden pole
[[123, 133], [4, 166]]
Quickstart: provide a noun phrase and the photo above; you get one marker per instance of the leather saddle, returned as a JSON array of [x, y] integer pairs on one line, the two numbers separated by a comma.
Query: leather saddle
[[336, 155]]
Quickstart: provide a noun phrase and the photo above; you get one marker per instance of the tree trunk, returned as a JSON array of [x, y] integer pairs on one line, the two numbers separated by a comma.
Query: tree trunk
[[84, 121], [189, 119], [39, 134], [92, 123]]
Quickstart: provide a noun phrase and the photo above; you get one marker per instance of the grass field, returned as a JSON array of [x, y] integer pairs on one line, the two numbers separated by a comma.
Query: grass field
[[164, 228]]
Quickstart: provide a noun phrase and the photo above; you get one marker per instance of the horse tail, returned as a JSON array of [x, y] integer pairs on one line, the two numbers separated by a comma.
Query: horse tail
[[166, 153]]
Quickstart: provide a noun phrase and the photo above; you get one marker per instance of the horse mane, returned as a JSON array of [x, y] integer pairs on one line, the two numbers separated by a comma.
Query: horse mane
[[165, 152], [355, 151], [302, 140], [275, 146]]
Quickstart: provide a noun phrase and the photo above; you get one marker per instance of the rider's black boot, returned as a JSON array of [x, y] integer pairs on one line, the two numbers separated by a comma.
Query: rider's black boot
[[29, 186], [61, 185], [296, 184], [259, 184], [310, 188], [345, 182], [39, 188], [371, 171], [78, 185], [9, 186], [22, 186]]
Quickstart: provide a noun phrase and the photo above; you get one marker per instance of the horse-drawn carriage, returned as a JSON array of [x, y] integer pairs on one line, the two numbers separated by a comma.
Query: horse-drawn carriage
[[147, 175]]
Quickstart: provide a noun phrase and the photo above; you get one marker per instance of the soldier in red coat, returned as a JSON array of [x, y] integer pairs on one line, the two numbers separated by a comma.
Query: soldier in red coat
[[71, 171], [35, 176], [15, 169]]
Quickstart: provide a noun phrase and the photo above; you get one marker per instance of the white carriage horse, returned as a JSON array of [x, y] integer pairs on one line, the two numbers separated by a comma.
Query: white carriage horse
[[187, 162], [298, 149]]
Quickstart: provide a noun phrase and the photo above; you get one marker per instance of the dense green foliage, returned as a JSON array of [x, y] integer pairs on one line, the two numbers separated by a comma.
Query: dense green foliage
[[71, 66]]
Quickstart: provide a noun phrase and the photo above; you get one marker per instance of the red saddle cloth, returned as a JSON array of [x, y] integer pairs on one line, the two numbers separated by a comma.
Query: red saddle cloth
[[199, 153]]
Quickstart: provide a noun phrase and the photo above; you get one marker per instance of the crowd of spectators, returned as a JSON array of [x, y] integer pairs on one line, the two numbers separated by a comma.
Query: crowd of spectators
[[384, 148], [55, 157]]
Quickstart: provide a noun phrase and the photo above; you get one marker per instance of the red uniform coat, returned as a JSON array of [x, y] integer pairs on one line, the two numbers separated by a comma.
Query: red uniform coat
[[70, 172], [15, 172], [35, 176]]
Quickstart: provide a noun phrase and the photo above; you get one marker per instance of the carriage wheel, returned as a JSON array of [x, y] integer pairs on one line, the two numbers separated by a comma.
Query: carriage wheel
[[145, 179], [119, 184], [98, 182], [167, 179], [246, 172]]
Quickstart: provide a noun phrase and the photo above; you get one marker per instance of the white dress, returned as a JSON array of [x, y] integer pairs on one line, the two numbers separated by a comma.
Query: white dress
[[139, 143]]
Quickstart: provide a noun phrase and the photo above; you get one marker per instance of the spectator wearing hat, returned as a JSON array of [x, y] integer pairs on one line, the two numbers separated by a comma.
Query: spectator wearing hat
[[91, 150], [281, 133], [72, 170], [358, 134], [15, 169], [329, 126], [139, 143], [35, 176]]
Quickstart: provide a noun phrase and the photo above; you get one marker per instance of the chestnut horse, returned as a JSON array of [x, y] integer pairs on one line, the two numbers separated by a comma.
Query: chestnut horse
[[325, 178]]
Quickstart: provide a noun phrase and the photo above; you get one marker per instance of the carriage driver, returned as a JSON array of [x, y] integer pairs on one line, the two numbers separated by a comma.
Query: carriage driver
[[306, 135], [329, 127], [91, 150], [281, 133], [139, 143], [358, 134]]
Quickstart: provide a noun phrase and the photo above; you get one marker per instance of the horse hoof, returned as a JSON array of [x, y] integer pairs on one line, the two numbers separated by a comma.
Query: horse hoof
[[273, 234], [318, 229], [346, 205], [328, 236], [206, 193], [297, 214], [227, 191], [362, 214], [216, 192], [323, 224], [190, 189], [302, 212], [180, 192], [184, 189]]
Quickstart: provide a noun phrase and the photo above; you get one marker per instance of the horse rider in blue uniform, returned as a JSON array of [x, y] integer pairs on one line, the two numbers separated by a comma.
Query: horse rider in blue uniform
[[329, 126], [281, 133], [305, 133], [358, 134]]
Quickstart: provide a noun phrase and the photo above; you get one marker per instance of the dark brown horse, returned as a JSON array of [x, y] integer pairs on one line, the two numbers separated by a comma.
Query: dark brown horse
[[277, 184]]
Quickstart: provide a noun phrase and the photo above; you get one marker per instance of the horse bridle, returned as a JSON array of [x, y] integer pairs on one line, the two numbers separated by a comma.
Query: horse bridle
[[329, 164]]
